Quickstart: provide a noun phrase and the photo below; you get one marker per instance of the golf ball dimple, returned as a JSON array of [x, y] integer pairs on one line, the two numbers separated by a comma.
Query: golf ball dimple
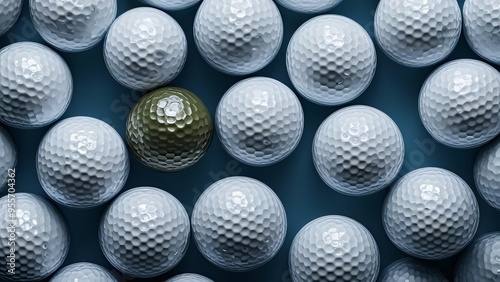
[[431, 213], [171, 4], [41, 237], [8, 159], [238, 37], [334, 248], [417, 33], [358, 150], [144, 232], [481, 261], [189, 277], [409, 269], [331, 60], [145, 48], [239, 224], [487, 174], [482, 28], [35, 85], [82, 162], [309, 6], [459, 103], [72, 25], [9, 14], [259, 121], [83, 272]]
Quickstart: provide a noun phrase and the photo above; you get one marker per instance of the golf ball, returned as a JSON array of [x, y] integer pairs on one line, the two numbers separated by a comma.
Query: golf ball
[[431, 213], [72, 25], [334, 248], [487, 174], [358, 150], [41, 237], [482, 28], [239, 223], [9, 14], [238, 37], [259, 121], [480, 262], [171, 4], [417, 33], [83, 272], [145, 48], [309, 6], [144, 232], [35, 85], [82, 162], [169, 129], [412, 270], [459, 103], [8, 159], [189, 277], [331, 60]]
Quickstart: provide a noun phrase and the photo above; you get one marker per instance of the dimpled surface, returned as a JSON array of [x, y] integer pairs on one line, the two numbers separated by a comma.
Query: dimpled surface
[[487, 173], [35, 85], [334, 248], [189, 277], [169, 129], [460, 104], [8, 157], [83, 272], [145, 48], [72, 25], [144, 232], [331, 60], [412, 270], [42, 237], [481, 261], [259, 121], [431, 213], [482, 28], [238, 37], [171, 4], [239, 223], [82, 162], [9, 13], [309, 6], [358, 150], [417, 33]]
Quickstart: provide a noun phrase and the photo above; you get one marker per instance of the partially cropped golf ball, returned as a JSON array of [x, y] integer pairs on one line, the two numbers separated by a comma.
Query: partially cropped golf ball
[[417, 33], [9, 14], [83, 272], [144, 232], [171, 4], [72, 25], [41, 238], [189, 277], [145, 48], [35, 85], [82, 162], [259, 121], [238, 37], [487, 173], [239, 224], [309, 6], [334, 248], [482, 28], [460, 103], [169, 129], [331, 60], [358, 150], [8, 160], [481, 261], [412, 270], [431, 213]]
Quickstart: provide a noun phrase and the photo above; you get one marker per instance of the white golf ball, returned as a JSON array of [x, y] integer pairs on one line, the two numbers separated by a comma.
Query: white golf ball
[[83, 272], [35, 85], [8, 159], [171, 4], [331, 60], [482, 28], [334, 248], [309, 6], [145, 48], [189, 277], [238, 37], [487, 174], [481, 261], [9, 14], [431, 213], [460, 103], [82, 162], [72, 25], [417, 33], [144, 232], [41, 237], [239, 224], [412, 270], [358, 150], [259, 121]]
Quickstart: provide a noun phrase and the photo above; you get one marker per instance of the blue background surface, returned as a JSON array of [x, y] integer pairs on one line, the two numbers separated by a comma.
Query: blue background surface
[[394, 90]]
